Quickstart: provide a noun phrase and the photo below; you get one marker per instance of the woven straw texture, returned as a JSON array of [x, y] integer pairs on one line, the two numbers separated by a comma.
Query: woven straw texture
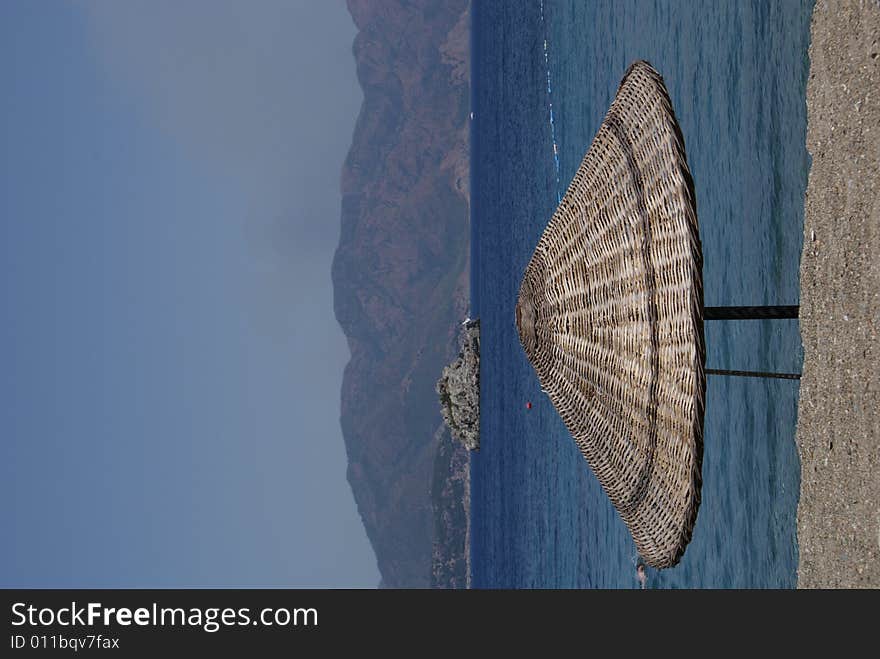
[[610, 316]]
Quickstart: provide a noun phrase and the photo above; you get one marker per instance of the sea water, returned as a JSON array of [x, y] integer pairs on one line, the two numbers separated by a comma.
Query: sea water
[[544, 74]]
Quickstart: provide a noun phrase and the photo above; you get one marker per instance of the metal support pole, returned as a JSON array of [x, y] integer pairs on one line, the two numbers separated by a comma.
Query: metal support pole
[[754, 374], [750, 313]]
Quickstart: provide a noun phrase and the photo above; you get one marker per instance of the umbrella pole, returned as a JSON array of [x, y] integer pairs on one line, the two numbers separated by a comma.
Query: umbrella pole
[[754, 374], [752, 313]]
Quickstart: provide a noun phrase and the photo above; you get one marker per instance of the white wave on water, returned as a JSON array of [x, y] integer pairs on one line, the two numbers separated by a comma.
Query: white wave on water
[[550, 105]]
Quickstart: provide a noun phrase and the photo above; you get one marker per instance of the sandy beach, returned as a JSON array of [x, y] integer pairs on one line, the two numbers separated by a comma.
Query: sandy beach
[[838, 432]]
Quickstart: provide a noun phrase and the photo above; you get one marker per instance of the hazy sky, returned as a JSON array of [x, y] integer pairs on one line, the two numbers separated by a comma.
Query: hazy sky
[[171, 366]]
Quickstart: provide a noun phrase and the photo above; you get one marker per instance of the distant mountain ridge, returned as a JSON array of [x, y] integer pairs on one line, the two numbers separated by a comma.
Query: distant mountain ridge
[[400, 272]]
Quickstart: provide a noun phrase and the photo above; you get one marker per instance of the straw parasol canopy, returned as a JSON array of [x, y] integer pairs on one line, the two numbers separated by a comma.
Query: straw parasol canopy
[[610, 314]]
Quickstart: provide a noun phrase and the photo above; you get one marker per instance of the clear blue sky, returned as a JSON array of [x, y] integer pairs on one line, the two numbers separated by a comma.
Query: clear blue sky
[[171, 366]]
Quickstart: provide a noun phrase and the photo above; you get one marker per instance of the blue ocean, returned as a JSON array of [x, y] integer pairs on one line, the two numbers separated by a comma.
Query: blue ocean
[[544, 74]]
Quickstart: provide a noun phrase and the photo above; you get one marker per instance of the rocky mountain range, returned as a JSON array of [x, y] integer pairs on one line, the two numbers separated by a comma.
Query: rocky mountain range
[[400, 276]]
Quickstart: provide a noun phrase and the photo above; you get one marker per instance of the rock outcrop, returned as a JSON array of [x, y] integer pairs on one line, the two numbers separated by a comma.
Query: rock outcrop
[[459, 390]]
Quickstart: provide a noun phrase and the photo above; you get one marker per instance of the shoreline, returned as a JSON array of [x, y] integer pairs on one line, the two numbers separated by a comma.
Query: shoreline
[[838, 432]]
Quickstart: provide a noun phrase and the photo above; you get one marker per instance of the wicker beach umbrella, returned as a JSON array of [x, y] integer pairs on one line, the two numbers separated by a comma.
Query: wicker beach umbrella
[[610, 314]]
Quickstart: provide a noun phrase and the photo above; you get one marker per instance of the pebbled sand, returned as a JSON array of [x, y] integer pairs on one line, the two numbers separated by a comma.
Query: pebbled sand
[[838, 431]]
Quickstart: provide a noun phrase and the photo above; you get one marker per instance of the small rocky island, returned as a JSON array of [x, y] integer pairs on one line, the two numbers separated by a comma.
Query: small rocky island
[[459, 389]]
